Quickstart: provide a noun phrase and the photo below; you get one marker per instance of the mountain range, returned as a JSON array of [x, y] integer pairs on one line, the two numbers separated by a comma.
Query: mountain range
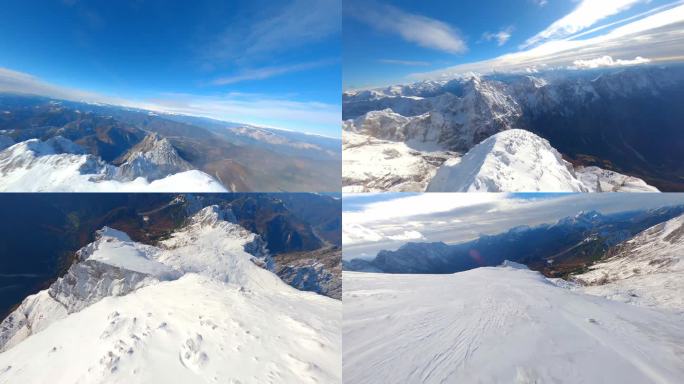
[[560, 249], [201, 304], [300, 231], [619, 126], [110, 148]]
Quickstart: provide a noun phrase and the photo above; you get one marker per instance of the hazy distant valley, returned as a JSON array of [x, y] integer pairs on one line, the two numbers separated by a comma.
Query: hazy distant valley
[[615, 129], [108, 148]]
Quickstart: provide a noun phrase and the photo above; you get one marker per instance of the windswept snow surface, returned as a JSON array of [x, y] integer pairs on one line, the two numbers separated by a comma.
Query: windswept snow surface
[[646, 270], [59, 165], [500, 325], [376, 165], [205, 313], [520, 161]]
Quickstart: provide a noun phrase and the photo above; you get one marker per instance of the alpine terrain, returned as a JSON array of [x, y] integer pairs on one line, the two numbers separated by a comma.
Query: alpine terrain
[[202, 304], [605, 305], [589, 130], [58, 145]]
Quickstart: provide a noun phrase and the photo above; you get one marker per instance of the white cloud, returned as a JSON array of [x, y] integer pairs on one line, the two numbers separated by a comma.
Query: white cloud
[[586, 14], [243, 108], [268, 72], [418, 29], [277, 29], [459, 217], [500, 37], [540, 3], [418, 204], [407, 235], [658, 36], [607, 61], [355, 233]]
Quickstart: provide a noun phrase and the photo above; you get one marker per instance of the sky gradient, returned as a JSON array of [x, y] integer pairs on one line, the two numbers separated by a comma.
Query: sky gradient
[[397, 41], [386, 221], [272, 63]]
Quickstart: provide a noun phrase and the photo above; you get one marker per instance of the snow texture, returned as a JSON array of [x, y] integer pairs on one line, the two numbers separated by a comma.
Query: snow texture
[[646, 270], [500, 325], [201, 311], [520, 161]]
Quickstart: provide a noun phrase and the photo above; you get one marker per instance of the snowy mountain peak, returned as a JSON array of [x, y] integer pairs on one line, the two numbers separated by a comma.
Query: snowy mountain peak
[[513, 264], [51, 146], [113, 233], [512, 160], [115, 265], [211, 216], [153, 158], [113, 319], [58, 164]]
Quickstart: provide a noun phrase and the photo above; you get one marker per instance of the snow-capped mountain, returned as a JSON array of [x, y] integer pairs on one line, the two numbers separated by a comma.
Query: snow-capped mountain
[[590, 117], [520, 161], [240, 156], [200, 306], [153, 158], [58, 164], [646, 270], [376, 165], [500, 325]]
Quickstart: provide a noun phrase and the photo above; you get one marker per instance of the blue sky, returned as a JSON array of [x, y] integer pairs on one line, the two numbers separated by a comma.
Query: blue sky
[[267, 62], [390, 41], [386, 221]]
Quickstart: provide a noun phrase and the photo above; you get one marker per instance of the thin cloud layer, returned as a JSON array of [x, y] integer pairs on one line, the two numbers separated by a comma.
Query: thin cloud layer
[[412, 63], [278, 29], [586, 14], [268, 72], [244, 108], [421, 30], [658, 37], [500, 37]]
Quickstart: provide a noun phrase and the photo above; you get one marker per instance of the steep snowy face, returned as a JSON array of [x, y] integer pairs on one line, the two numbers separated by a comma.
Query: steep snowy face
[[375, 165], [520, 161], [113, 265], [59, 165], [645, 270], [514, 160], [153, 158], [515, 328], [198, 307]]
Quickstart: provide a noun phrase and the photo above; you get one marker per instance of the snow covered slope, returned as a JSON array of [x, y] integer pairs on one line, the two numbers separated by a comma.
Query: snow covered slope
[[500, 325], [645, 270], [603, 180], [59, 165], [196, 308], [520, 161], [376, 165]]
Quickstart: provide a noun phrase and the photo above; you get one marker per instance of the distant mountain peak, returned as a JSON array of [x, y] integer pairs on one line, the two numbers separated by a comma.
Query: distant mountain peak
[[153, 158]]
